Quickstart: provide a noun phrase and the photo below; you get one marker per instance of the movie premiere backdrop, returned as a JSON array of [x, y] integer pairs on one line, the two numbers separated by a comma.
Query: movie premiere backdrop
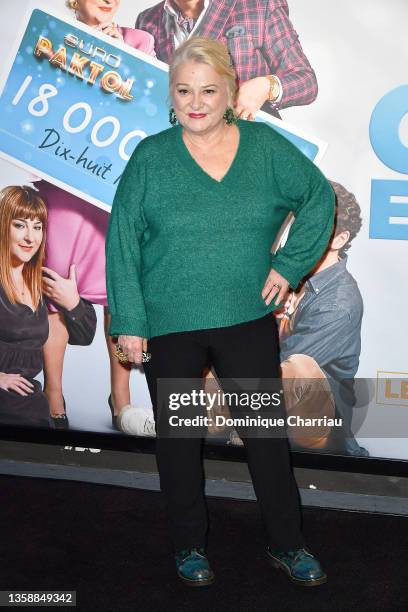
[[75, 102]]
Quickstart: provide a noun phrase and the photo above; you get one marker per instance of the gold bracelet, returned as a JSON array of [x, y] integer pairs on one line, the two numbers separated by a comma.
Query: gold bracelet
[[273, 83]]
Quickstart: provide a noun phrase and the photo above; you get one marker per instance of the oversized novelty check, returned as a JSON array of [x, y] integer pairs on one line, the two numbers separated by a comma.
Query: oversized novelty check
[[75, 104]]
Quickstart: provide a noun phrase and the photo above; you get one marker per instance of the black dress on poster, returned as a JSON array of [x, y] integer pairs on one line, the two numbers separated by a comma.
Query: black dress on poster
[[23, 334]]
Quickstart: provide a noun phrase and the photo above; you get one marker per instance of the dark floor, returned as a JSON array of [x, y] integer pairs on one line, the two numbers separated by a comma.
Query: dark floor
[[110, 544]]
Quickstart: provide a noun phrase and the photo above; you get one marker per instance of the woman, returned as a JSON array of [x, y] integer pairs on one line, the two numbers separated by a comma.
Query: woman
[[77, 235], [189, 279], [23, 313]]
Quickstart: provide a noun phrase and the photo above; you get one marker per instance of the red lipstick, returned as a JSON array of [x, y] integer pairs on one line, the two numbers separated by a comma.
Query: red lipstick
[[197, 115]]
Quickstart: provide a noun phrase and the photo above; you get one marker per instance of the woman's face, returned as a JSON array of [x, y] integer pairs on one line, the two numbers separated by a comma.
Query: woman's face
[[200, 96], [25, 239], [96, 12]]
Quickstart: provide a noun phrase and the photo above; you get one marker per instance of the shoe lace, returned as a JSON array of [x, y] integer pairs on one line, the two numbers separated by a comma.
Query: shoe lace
[[149, 427]]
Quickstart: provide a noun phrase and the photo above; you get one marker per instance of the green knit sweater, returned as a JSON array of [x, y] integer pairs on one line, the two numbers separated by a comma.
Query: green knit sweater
[[185, 251]]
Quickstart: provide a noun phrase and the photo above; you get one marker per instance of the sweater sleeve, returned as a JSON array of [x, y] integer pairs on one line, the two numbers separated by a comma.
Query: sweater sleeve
[[310, 197], [123, 253]]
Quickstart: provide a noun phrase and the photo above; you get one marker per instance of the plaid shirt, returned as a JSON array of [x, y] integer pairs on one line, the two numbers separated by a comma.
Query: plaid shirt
[[260, 38]]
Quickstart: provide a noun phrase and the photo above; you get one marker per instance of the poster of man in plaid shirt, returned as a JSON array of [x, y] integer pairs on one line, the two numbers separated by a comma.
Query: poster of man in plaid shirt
[[260, 38]]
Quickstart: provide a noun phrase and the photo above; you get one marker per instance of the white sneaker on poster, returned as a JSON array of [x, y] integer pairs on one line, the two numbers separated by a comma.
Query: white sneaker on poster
[[137, 421]]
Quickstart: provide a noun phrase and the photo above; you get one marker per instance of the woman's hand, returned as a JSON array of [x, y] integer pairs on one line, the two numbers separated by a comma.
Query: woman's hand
[[251, 96], [133, 346], [275, 285], [62, 291], [110, 29], [15, 382]]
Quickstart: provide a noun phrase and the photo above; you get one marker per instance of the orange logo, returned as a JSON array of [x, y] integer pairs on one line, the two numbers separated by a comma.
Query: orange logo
[[392, 388]]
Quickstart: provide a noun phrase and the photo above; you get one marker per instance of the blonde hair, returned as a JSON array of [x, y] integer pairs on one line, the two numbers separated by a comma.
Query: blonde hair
[[206, 51], [72, 4], [21, 203]]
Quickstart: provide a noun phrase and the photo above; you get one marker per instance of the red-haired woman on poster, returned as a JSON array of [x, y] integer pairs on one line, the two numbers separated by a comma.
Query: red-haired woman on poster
[[23, 312]]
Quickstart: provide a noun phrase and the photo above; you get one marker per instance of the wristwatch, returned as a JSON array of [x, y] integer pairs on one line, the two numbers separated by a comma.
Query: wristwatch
[[274, 88]]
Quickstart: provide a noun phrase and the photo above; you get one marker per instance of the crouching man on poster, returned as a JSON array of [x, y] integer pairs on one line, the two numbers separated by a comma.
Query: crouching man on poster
[[191, 282], [320, 339]]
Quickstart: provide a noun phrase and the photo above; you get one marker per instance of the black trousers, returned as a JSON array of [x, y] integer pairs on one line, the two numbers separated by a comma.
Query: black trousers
[[248, 350]]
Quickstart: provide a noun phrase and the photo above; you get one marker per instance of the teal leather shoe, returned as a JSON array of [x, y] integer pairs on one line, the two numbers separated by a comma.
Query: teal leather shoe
[[193, 567], [300, 565]]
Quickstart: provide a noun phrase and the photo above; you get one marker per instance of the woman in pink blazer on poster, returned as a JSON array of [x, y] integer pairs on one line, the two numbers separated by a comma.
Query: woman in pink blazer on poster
[[76, 235]]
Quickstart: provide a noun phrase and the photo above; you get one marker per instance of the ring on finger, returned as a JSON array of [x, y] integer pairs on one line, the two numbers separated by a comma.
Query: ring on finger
[[277, 286], [120, 355]]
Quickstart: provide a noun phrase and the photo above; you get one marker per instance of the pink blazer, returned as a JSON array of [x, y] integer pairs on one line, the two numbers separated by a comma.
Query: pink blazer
[[76, 229], [138, 39]]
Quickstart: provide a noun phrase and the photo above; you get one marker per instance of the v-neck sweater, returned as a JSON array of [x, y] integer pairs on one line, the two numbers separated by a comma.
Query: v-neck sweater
[[186, 252]]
